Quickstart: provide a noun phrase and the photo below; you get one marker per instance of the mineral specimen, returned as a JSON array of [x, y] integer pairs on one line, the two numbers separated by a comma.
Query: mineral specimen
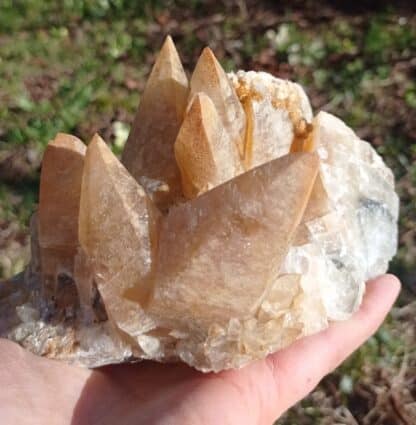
[[236, 223]]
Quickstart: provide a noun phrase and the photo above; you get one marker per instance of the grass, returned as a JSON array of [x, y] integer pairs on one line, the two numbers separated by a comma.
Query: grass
[[78, 66]]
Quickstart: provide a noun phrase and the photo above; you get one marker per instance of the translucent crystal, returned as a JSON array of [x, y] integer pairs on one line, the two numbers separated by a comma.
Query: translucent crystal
[[59, 194], [204, 151], [209, 78], [149, 148], [117, 231], [232, 241]]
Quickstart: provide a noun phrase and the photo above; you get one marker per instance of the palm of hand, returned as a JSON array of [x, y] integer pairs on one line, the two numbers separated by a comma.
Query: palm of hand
[[37, 391]]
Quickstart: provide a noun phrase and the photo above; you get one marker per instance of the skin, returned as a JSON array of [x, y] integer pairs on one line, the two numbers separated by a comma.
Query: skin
[[35, 390]]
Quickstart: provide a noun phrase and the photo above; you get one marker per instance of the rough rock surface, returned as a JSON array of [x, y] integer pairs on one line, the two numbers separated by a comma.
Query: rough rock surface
[[235, 224]]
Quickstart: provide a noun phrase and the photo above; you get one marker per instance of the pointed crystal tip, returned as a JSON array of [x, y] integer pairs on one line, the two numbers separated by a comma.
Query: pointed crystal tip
[[208, 71], [210, 78], [207, 56], [204, 152], [168, 64], [97, 142]]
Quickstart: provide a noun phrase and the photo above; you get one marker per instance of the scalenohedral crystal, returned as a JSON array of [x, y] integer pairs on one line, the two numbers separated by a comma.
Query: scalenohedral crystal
[[235, 223]]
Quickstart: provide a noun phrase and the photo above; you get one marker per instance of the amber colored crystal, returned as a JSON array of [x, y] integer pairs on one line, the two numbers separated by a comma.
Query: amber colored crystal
[[204, 152], [117, 230], [232, 241], [209, 78], [60, 188], [149, 148]]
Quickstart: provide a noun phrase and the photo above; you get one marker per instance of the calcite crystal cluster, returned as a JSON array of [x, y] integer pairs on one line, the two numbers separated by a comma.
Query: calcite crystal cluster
[[235, 223]]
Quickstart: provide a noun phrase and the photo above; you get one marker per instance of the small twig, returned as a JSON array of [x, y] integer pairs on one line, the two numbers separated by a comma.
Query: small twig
[[397, 407], [399, 379], [242, 5], [407, 310]]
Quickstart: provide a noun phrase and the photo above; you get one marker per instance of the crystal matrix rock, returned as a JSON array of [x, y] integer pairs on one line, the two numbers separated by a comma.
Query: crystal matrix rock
[[278, 115], [240, 224], [347, 246]]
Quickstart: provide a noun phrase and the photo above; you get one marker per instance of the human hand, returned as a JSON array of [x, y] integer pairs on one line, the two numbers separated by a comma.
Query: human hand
[[35, 390]]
